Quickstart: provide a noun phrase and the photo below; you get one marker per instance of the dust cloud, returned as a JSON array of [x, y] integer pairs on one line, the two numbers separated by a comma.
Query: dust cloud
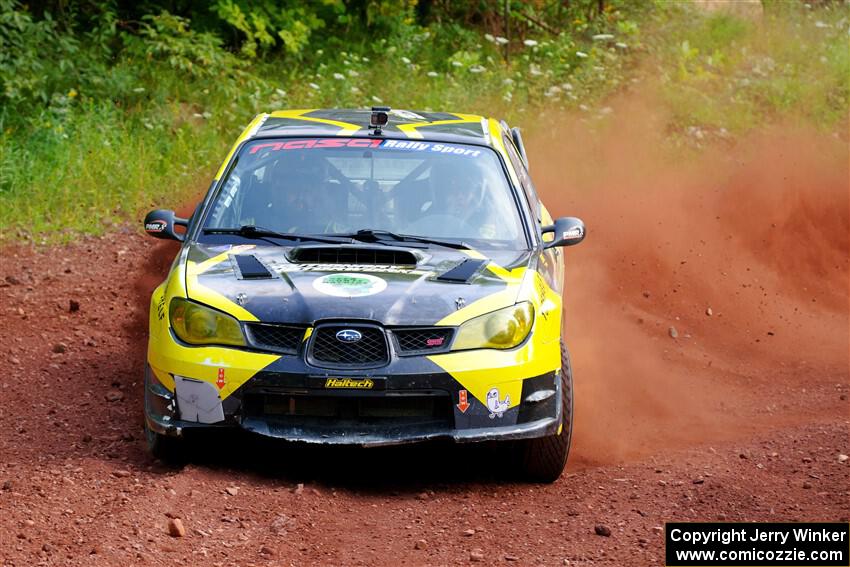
[[741, 247]]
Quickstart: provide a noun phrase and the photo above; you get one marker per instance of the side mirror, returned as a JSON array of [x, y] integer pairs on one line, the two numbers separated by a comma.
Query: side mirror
[[568, 232], [161, 222]]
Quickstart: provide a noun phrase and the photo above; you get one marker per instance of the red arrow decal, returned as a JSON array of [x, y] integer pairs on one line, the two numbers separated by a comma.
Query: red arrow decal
[[462, 404], [220, 381]]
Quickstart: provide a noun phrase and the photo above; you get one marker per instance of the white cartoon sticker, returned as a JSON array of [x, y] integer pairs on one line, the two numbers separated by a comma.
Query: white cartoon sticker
[[349, 285], [497, 408]]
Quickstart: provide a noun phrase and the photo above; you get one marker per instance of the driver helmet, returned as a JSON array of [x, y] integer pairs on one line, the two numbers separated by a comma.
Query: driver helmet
[[458, 187]]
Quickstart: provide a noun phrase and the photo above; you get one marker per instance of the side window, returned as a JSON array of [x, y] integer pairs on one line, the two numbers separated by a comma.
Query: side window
[[524, 179]]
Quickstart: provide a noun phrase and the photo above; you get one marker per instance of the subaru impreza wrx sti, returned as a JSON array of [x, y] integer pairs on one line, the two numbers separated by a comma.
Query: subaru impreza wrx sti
[[366, 277]]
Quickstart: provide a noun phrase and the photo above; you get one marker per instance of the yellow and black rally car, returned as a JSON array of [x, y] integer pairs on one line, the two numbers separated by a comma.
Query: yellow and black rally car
[[366, 277]]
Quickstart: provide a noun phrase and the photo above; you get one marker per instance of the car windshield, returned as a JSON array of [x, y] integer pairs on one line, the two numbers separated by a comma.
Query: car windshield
[[341, 185]]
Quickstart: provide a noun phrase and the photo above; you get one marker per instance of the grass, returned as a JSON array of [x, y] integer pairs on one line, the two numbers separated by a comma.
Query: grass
[[84, 164], [728, 75]]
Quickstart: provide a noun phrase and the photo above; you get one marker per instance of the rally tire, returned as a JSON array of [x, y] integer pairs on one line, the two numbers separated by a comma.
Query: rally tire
[[543, 459], [170, 450]]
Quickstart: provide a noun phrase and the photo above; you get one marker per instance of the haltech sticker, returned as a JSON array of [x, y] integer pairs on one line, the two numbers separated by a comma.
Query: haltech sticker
[[355, 383], [349, 285]]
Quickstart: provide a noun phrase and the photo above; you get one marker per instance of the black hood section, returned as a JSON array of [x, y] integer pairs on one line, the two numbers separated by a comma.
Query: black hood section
[[400, 293]]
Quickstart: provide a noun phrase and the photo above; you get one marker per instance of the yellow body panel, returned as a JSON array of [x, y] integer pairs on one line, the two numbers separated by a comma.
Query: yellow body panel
[[167, 357], [209, 297], [482, 369]]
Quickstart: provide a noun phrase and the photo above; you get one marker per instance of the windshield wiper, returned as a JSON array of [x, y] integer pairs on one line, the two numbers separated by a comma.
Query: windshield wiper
[[252, 231], [387, 237]]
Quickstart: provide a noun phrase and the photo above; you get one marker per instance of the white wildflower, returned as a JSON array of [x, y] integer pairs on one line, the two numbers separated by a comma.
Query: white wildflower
[[365, 59], [535, 71], [405, 60], [508, 96], [602, 37], [339, 76], [353, 73], [433, 74], [530, 43], [377, 100], [621, 45], [566, 86], [581, 54], [314, 86], [820, 24], [139, 90], [355, 90], [501, 40], [280, 92], [457, 64], [508, 81], [477, 69], [489, 37]]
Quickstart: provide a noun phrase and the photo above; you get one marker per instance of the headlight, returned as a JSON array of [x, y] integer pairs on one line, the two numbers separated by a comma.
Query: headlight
[[198, 325], [505, 328]]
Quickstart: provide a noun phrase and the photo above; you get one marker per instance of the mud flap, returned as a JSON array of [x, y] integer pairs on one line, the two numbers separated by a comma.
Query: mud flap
[[198, 400]]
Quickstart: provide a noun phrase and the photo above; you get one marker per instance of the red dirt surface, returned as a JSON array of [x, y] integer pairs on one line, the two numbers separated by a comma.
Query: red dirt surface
[[741, 416]]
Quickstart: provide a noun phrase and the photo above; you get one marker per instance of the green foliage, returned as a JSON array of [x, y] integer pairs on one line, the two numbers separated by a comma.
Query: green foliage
[[264, 23], [34, 56], [732, 74], [168, 38]]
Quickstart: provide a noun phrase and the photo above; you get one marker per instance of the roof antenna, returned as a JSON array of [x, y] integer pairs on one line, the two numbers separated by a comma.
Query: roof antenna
[[380, 117]]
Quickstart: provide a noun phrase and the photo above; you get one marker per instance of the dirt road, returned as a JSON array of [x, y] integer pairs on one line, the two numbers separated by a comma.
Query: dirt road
[[742, 255]]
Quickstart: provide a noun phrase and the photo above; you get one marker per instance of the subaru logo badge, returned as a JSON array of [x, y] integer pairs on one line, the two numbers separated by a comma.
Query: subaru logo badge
[[348, 336]]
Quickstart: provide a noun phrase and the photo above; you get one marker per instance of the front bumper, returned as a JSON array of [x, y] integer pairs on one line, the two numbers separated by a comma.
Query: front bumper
[[401, 408]]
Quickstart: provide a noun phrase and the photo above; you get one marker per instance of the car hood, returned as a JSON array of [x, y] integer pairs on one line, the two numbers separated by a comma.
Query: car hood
[[305, 284]]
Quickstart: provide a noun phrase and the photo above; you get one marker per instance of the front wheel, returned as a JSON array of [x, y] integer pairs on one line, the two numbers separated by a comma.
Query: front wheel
[[543, 459], [170, 450]]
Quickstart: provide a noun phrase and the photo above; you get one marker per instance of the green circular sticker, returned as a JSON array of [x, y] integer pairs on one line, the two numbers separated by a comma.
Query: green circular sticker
[[349, 285]]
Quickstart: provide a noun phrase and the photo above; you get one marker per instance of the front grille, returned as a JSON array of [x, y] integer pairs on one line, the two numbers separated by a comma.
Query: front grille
[[277, 338], [421, 341], [327, 350], [352, 255]]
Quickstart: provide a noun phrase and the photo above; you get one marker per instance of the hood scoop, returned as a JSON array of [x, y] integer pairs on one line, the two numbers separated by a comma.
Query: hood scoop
[[360, 255], [463, 272], [249, 268]]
